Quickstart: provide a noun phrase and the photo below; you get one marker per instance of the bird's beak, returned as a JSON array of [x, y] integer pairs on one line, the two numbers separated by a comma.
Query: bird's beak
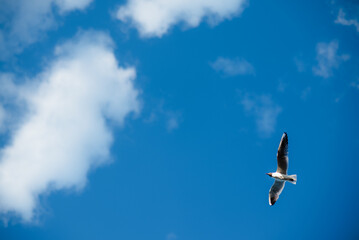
[[268, 174]]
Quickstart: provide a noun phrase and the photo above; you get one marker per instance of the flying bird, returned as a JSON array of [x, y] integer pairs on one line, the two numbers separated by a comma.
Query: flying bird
[[280, 175]]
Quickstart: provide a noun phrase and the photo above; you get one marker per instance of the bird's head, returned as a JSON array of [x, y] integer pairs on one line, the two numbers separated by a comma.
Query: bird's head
[[269, 174]]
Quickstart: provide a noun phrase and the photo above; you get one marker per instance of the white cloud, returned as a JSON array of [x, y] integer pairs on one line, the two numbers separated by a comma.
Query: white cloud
[[66, 131], [347, 22], [154, 18], [264, 110], [328, 59], [23, 22], [233, 67], [305, 93]]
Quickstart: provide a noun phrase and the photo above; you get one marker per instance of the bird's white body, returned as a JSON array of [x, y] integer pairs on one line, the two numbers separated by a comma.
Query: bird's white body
[[285, 177]]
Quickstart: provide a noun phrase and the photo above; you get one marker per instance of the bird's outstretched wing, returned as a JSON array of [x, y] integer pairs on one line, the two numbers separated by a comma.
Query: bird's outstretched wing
[[282, 155], [275, 191]]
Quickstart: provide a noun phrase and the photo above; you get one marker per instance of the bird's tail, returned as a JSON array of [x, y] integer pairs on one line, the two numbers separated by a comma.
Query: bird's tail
[[293, 178]]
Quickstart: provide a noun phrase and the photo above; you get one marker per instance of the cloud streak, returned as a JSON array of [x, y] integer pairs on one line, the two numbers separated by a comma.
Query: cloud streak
[[233, 67], [346, 22], [67, 129], [154, 18]]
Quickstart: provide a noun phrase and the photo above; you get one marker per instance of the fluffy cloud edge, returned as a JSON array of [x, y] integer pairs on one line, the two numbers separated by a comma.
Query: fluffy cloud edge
[[155, 18], [66, 131]]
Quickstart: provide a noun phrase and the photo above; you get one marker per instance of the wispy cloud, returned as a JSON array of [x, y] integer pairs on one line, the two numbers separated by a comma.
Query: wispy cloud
[[305, 93], [282, 85], [154, 18], [171, 118], [233, 67], [328, 59], [11, 102], [264, 110], [347, 22], [355, 84], [171, 236], [299, 64], [2, 118], [66, 130], [23, 22]]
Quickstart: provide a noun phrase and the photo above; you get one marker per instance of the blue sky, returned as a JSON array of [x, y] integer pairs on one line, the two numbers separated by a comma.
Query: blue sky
[[159, 119]]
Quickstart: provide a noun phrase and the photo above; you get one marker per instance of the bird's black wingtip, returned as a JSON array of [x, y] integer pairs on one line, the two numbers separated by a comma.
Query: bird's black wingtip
[[272, 201]]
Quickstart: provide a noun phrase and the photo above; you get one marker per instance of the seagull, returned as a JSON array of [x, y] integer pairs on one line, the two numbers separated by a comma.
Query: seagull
[[280, 175]]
